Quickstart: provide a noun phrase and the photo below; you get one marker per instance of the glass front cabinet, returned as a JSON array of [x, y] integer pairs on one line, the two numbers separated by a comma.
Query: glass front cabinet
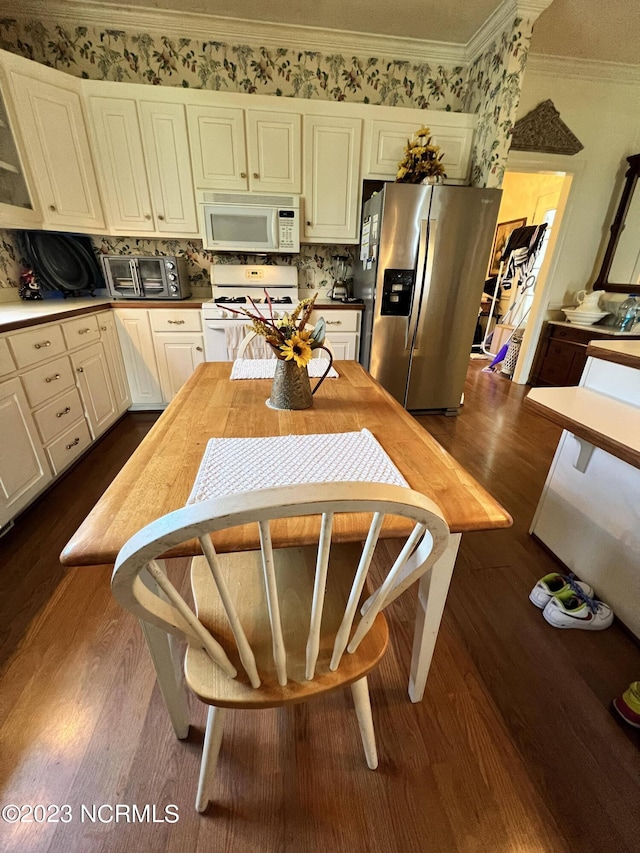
[[18, 207]]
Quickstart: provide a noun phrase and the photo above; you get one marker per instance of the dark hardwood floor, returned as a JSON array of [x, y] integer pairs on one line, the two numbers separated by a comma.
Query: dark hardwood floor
[[514, 747]]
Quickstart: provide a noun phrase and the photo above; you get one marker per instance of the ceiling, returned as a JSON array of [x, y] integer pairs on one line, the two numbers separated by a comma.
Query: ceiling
[[586, 29]]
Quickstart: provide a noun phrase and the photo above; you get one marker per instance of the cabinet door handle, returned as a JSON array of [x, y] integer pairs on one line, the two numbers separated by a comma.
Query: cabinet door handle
[[147, 216], [160, 217], [256, 175], [52, 378], [176, 322], [243, 174], [333, 322], [80, 369], [43, 344], [63, 412], [73, 443], [199, 349], [52, 207], [104, 328], [308, 223], [84, 331]]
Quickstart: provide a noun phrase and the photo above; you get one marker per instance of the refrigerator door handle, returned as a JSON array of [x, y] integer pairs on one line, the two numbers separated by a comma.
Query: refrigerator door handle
[[412, 320]]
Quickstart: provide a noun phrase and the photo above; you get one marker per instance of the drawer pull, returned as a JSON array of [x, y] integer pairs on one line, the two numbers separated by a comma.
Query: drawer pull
[[43, 344], [83, 331], [176, 322], [80, 369], [52, 378], [63, 412], [333, 322], [73, 443]]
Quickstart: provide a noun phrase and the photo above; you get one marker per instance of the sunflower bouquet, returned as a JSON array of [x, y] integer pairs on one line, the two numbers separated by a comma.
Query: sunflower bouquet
[[422, 159], [288, 336]]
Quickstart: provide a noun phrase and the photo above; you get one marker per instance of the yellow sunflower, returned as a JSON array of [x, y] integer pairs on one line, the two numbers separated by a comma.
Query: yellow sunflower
[[298, 349]]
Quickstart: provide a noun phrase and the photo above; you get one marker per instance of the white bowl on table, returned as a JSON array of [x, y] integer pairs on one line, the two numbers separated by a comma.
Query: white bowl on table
[[583, 318]]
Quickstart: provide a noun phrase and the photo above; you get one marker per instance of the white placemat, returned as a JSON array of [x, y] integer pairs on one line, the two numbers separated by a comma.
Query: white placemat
[[264, 368], [231, 465]]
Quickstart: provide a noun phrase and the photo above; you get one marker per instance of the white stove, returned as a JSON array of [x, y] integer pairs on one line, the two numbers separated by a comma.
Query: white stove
[[233, 285]]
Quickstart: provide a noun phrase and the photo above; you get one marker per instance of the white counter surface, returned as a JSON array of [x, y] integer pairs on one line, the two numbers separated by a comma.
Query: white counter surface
[[602, 330]]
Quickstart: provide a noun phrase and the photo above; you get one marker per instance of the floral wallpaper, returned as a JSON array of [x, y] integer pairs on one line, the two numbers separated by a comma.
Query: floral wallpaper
[[493, 92], [134, 57], [315, 263], [490, 86], [11, 261]]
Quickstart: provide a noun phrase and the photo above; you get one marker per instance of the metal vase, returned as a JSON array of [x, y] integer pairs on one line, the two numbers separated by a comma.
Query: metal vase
[[291, 388]]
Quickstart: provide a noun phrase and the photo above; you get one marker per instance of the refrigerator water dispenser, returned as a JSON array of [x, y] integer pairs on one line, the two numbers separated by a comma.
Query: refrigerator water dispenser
[[397, 292]]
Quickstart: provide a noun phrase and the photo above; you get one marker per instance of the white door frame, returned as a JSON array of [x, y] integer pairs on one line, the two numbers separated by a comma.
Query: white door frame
[[524, 161]]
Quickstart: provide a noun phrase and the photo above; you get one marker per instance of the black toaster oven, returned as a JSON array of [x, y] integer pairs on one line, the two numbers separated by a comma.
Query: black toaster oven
[[146, 277]]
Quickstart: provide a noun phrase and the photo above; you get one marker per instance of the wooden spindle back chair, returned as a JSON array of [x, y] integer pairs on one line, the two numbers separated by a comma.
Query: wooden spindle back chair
[[278, 626]]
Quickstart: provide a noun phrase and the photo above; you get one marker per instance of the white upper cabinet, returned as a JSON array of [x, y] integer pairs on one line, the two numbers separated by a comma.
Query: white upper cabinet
[[236, 149], [216, 136], [332, 178], [386, 140], [18, 206], [117, 138], [273, 144], [51, 120], [166, 147]]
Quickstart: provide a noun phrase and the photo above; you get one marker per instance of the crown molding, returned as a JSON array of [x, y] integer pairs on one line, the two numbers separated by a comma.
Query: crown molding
[[236, 30], [502, 16], [585, 69]]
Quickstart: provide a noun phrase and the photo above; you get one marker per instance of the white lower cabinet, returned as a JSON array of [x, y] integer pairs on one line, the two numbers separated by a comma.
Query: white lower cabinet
[[115, 362], [64, 386], [24, 471], [343, 331], [136, 340], [178, 354], [96, 390], [161, 348]]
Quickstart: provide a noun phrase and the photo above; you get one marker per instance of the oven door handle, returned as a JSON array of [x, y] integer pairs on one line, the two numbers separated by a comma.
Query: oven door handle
[[137, 287]]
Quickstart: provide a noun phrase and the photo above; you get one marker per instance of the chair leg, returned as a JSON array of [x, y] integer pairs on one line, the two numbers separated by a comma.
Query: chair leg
[[210, 752], [360, 693]]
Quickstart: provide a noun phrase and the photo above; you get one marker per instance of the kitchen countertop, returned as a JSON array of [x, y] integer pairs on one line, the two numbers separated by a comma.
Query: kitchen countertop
[[620, 352], [22, 313], [602, 330], [18, 315]]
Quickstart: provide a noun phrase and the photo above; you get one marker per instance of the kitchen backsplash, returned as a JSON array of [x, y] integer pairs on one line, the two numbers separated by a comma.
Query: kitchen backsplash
[[315, 263]]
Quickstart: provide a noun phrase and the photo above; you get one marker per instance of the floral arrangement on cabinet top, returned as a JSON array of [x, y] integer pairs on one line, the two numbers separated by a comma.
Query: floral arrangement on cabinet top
[[422, 161]]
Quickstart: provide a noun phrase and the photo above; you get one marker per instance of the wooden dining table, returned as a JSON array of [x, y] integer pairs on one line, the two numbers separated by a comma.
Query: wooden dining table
[[159, 477]]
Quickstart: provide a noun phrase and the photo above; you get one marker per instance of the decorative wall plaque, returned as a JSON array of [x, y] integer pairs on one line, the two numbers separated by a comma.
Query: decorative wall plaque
[[543, 130]]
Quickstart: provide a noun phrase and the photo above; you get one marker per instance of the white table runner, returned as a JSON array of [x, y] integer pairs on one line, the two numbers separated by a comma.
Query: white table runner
[[231, 465], [264, 368]]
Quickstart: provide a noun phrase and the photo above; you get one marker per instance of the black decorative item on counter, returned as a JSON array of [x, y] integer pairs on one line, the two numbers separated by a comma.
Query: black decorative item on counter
[[62, 262]]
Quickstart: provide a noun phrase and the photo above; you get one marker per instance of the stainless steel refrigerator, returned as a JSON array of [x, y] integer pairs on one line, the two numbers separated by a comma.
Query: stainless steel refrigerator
[[422, 265]]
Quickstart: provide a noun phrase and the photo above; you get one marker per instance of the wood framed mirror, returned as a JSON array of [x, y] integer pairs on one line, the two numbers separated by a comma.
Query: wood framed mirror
[[620, 270]]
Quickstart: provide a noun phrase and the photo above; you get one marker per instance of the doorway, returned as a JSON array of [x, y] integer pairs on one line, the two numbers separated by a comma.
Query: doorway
[[529, 197]]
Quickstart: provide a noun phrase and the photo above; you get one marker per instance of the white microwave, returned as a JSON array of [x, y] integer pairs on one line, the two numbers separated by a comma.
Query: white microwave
[[243, 222]]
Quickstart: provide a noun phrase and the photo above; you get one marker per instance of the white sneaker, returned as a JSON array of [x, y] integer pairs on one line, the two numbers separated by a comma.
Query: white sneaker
[[555, 584], [573, 609]]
